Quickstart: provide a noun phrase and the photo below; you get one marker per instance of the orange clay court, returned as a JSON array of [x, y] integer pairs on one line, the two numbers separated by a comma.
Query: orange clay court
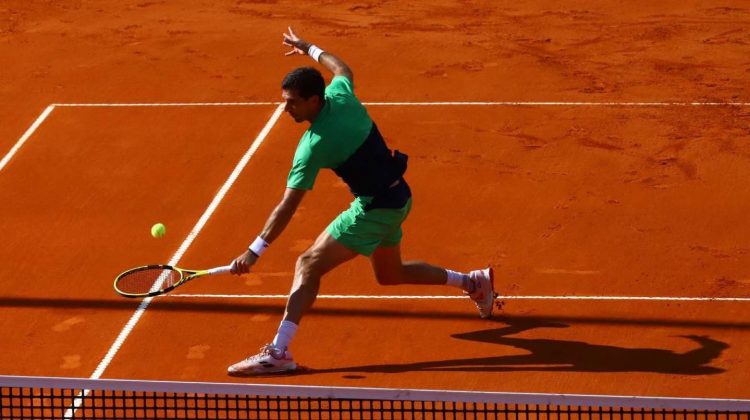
[[586, 149]]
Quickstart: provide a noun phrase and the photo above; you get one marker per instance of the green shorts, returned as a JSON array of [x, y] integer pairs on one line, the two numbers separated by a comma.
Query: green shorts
[[363, 231]]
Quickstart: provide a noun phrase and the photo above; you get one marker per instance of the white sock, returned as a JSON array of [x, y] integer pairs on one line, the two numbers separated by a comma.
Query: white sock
[[284, 335], [460, 280]]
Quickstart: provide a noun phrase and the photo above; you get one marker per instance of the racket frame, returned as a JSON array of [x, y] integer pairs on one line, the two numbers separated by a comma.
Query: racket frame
[[185, 276]]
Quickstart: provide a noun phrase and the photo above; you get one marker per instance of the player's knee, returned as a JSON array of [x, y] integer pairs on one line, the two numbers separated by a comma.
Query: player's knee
[[305, 261], [308, 262]]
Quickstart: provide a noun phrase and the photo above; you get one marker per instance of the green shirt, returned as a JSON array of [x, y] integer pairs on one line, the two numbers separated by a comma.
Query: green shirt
[[337, 132]]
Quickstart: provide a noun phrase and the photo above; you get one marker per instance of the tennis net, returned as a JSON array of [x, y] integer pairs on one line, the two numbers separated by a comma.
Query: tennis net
[[41, 398]]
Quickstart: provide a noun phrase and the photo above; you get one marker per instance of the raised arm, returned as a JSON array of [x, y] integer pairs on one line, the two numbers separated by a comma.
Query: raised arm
[[334, 64]]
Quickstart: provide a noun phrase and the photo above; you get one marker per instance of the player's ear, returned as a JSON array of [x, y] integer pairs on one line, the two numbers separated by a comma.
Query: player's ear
[[318, 100]]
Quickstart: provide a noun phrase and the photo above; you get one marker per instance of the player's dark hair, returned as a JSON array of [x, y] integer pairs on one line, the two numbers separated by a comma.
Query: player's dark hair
[[306, 81]]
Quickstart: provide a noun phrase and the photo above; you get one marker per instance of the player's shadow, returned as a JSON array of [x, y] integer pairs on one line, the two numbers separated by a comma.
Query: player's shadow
[[544, 354]]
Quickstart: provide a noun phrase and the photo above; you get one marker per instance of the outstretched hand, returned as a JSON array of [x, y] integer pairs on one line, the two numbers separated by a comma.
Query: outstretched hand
[[299, 46]]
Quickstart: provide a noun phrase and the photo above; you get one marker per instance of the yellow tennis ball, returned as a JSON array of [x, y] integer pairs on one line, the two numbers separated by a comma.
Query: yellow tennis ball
[[158, 230]]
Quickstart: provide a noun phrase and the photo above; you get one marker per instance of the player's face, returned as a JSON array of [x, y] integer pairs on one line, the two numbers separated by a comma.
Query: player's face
[[299, 108]]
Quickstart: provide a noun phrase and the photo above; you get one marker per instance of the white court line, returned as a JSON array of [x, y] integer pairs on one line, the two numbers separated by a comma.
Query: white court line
[[125, 332], [167, 104], [532, 103], [130, 325], [189, 239], [429, 103], [40, 119], [439, 297]]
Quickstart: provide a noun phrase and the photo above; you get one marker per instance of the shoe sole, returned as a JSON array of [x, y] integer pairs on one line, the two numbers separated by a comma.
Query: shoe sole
[[494, 295], [279, 371]]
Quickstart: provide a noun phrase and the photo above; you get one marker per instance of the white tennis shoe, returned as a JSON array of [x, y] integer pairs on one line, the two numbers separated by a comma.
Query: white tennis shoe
[[484, 291], [269, 360]]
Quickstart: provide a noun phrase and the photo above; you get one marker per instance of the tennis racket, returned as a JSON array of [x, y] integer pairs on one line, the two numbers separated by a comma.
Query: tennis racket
[[154, 280]]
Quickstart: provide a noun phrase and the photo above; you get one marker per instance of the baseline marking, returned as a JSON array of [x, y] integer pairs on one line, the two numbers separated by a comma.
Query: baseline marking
[[436, 103], [126, 330], [439, 297], [175, 104], [532, 103], [40, 119]]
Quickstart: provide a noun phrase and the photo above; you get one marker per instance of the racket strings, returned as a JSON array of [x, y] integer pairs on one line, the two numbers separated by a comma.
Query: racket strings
[[148, 280]]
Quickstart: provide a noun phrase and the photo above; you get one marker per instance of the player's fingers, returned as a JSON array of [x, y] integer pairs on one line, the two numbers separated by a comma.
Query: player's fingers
[[244, 267], [291, 44], [237, 268], [292, 52]]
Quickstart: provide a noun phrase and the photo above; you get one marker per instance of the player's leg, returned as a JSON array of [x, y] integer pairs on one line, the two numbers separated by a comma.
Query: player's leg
[[390, 270], [323, 256]]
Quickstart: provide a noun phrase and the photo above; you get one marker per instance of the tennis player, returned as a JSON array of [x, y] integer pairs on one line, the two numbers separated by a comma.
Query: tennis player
[[342, 137]]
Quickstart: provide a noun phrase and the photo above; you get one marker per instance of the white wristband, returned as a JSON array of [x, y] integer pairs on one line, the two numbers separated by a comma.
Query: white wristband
[[315, 52], [259, 246]]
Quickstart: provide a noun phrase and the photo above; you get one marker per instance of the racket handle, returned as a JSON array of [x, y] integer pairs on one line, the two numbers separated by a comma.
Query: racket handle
[[220, 270]]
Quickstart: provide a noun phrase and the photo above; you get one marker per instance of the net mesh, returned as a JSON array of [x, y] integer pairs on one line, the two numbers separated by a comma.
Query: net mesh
[[147, 279], [40, 403]]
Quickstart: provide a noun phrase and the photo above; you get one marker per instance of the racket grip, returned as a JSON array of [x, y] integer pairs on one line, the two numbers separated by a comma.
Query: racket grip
[[220, 270]]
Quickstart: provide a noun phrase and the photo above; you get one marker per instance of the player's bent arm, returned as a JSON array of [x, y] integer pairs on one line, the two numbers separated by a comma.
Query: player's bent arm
[[336, 65], [282, 214]]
